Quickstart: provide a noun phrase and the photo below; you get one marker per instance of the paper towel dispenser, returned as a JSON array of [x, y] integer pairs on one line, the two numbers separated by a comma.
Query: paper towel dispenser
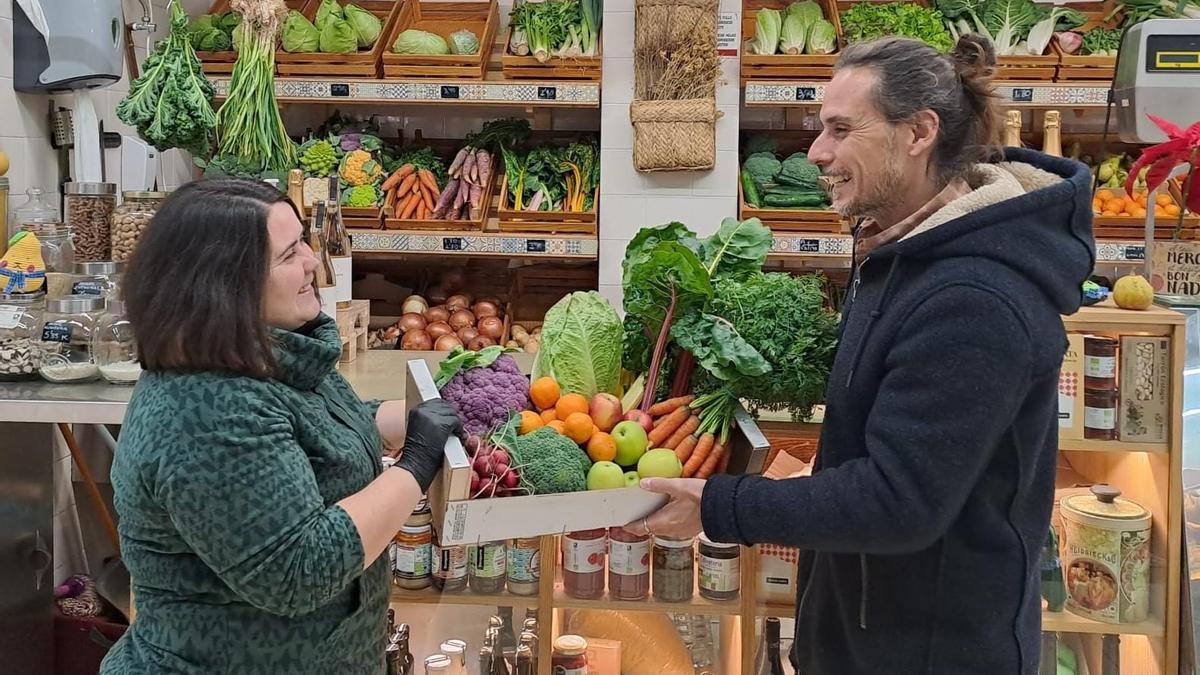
[[60, 45]]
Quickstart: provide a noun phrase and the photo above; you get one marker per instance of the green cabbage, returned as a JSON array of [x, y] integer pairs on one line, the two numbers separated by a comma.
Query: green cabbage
[[795, 32], [337, 37], [822, 38], [766, 31], [299, 35], [413, 41], [808, 11], [228, 21], [365, 24], [581, 345], [329, 9], [464, 42]]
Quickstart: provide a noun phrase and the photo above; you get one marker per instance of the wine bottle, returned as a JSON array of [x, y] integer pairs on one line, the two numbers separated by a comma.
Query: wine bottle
[[316, 241], [770, 662], [407, 662], [1052, 124], [1012, 129], [336, 237], [508, 641], [295, 190]]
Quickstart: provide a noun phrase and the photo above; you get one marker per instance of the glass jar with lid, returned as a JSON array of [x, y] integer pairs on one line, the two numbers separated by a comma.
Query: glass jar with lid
[[66, 338], [58, 249], [20, 346], [4, 214], [36, 208], [89, 208], [97, 278], [130, 219], [113, 346]]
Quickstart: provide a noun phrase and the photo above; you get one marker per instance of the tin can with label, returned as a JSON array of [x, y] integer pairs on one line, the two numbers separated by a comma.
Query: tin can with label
[[1107, 556]]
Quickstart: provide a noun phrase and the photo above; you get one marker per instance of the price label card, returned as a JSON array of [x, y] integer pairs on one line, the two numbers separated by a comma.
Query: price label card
[[807, 246], [547, 93], [1022, 95], [57, 331], [87, 288], [339, 90], [449, 91], [806, 93], [1135, 252], [728, 34], [535, 245], [452, 243]]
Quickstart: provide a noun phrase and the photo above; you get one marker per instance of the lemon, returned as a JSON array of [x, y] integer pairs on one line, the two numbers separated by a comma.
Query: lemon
[[1132, 291], [3, 163]]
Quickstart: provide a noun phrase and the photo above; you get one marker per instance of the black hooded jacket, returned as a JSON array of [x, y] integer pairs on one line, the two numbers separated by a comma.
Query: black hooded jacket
[[922, 524]]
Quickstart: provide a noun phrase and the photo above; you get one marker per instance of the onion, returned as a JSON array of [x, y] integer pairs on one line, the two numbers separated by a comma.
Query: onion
[[453, 279], [480, 342], [437, 314], [492, 327], [414, 304], [437, 294], [461, 318], [417, 340], [447, 343], [467, 334], [439, 329], [484, 308], [460, 301], [411, 321]]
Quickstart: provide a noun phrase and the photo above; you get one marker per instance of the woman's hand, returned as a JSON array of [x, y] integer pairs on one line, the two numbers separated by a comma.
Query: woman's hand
[[430, 425], [680, 518]]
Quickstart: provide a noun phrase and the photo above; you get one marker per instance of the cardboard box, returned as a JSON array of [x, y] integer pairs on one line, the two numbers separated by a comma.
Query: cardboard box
[[1145, 393], [459, 520], [1070, 390]]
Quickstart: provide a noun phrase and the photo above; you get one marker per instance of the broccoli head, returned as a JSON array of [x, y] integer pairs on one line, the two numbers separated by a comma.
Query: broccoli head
[[483, 397], [800, 172], [762, 167], [550, 462]]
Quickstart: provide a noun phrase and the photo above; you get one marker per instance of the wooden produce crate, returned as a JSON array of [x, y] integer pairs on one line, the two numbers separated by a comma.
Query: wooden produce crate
[[221, 63], [546, 222], [391, 221], [362, 216], [785, 66], [791, 220], [361, 64], [1027, 67], [527, 67], [443, 18], [353, 324], [1133, 227], [1074, 67]]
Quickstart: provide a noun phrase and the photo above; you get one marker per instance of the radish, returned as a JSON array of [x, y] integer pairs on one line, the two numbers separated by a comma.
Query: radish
[[500, 457]]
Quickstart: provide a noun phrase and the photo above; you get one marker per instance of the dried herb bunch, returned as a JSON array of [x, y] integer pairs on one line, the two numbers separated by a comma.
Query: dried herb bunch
[[684, 66]]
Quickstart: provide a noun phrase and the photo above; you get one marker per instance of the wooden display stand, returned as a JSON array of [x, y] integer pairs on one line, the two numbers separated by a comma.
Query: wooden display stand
[[785, 66], [443, 18], [358, 64], [545, 222], [527, 67], [353, 324], [221, 63]]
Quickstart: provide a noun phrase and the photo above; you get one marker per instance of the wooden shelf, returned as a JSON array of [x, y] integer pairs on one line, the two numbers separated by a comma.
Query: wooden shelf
[[492, 90], [1070, 96], [1107, 313], [1066, 622], [697, 605], [817, 246], [432, 596], [487, 243], [1111, 446]]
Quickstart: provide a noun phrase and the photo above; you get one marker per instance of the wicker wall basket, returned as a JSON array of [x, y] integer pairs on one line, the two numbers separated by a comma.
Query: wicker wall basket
[[661, 22], [674, 135]]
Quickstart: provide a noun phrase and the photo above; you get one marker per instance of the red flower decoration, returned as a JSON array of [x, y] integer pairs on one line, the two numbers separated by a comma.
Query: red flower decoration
[[1182, 147]]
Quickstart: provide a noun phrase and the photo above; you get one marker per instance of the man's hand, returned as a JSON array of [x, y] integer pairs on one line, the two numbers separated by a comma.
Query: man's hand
[[680, 518]]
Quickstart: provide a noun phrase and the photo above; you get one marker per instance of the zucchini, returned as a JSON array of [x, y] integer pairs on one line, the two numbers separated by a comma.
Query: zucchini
[[749, 189], [810, 200]]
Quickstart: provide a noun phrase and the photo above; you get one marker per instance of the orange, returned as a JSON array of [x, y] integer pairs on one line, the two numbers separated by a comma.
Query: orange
[[530, 422], [601, 447], [1103, 195], [1172, 209], [548, 415], [1109, 213], [571, 403], [1115, 204], [578, 427], [1162, 199], [544, 392], [1160, 212], [1139, 212], [557, 425]]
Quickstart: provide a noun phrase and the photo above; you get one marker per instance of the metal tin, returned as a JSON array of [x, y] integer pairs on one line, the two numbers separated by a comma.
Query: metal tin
[[100, 268], [72, 304], [1107, 557], [137, 194], [90, 189]]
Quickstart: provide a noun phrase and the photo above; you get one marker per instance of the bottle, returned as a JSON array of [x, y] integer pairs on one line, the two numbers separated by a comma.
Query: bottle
[[525, 665], [1052, 144], [316, 243], [1012, 129], [770, 663], [406, 660], [529, 640], [336, 237], [295, 190], [391, 624], [508, 641]]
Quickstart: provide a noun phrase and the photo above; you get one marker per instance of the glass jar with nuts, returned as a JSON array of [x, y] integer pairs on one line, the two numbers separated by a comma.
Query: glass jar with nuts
[[20, 347], [130, 219], [89, 208]]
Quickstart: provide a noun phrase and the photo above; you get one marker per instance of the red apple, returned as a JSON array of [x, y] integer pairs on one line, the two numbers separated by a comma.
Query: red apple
[[641, 418], [605, 411]]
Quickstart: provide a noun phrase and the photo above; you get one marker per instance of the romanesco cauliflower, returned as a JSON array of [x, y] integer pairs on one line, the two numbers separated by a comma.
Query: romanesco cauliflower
[[361, 195], [318, 158]]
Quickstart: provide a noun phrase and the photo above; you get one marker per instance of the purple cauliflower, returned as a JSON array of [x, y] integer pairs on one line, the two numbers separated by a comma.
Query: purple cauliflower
[[350, 142], [484, 397]]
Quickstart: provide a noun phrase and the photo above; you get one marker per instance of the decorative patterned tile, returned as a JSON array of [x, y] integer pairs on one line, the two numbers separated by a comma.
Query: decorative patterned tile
[[814, 244], [1017, 93], [476, 244], [426, 91], [1120, 251]]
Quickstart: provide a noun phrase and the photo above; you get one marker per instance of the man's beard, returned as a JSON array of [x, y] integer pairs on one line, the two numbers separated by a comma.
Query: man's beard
[[883, 194]]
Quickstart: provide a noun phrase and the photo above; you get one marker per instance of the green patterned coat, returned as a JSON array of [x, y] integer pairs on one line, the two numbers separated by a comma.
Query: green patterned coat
[[226, 488]]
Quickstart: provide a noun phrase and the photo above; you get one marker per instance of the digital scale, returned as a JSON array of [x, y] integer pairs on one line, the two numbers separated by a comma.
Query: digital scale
[[1158, 72]]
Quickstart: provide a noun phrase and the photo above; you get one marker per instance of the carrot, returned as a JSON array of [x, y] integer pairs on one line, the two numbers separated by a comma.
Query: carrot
[[714, 460], [686, 429], [723, 467], [422, 211], [672, 423], [397, 176], [684, 450], [703, 449], [429, 198], [669, 405], [410, 207], [407, 183], [427, 178]]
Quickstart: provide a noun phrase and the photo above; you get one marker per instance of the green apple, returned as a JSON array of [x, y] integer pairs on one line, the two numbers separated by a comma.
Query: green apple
[[632, 479], [660, 463], [631, 442], [605, 476]]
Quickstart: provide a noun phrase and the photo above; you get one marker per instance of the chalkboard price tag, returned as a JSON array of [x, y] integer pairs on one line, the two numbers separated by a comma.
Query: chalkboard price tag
[[452, 243], [339, 90], [535, 245], [547, 93], [1135, 252], [1022, 95], [449, 91], [57, 331], [806, 93], [807, 246]]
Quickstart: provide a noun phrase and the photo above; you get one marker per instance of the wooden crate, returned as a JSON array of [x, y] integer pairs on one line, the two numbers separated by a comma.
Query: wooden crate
[[353, 324], [362, 216], [529, 68], [360, 64], [1027, 67], [546, 222], [1078, 67], [791, 220], [784, 66], [221, 63], [443, 18], [391, 222]]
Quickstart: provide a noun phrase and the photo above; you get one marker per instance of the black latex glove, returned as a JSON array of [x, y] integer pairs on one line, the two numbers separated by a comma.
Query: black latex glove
[[430, 425]]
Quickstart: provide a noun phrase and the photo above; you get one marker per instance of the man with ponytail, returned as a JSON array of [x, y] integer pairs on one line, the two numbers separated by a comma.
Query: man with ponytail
[[922, 523]]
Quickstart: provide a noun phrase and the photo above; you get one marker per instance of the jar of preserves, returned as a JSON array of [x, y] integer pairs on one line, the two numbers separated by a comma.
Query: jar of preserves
[[569, 656], [674, 569], [97, 278], [130, 219], [66, 338], [20, 344], [58, 249], [720, 570], [486, 572], [412, 564], [449, 567], [35, 209], [583, 563], [628, 565], [524, 566], [1099, 362], [114, 347], [1100, 414], [89, 208], [437, 663]]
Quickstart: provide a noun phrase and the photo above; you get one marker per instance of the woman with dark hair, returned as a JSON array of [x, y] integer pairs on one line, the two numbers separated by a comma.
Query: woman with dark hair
[[253, 507]]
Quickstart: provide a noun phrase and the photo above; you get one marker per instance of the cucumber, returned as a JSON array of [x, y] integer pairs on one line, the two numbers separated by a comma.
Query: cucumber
[[810, 200], [749, 190]]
